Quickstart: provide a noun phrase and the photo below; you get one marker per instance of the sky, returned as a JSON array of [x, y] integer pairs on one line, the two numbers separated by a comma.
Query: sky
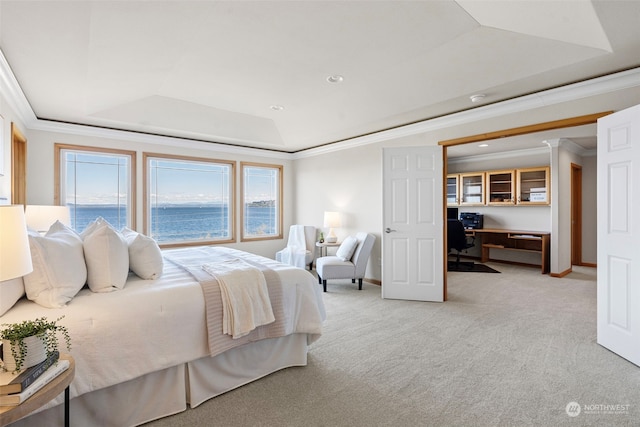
[[102, 179]]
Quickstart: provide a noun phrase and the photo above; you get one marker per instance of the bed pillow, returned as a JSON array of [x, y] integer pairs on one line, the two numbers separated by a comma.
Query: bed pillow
[[145, 257], [11, 291], [347, 248], [107, 256], [59, 269]]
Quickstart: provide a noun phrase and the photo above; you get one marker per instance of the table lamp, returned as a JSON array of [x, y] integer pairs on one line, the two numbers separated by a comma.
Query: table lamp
[[41, 217], [331, 220], [15, 255]]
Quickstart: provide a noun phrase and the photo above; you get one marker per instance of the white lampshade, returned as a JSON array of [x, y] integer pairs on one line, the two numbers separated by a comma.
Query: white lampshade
[[331, 220], [41, 217], [15, 256]]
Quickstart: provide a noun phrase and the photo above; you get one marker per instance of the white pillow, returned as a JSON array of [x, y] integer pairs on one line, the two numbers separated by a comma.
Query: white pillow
[[92, 226], [11, 291], [145, 257], [347, 248], [107, 256], [59, 270]]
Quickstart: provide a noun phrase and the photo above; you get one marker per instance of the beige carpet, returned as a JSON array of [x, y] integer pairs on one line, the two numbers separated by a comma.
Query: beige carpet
[[509, 349]]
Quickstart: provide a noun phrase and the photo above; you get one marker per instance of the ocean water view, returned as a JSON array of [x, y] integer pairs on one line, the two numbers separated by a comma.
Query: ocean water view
[[180, 222]]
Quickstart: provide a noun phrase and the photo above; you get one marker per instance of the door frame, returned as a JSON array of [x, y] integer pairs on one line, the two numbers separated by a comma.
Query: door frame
[[521, 130], [576, 214], [18, 166]]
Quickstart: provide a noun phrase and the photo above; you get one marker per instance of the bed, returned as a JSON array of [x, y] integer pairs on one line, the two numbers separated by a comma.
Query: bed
[[143, 352]]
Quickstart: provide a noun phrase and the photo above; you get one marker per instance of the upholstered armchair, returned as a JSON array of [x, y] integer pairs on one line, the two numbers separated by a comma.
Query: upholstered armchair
[[301, 247], [349, 262]]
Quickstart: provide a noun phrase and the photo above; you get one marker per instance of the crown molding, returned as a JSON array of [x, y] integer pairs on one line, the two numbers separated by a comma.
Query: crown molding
[[576, 91], [598, 86], [496, 156], [14, 95], [123, 135]]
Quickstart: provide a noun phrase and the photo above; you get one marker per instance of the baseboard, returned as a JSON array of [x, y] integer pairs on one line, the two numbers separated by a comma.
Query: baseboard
[[589, 264], [561, 274], [373, 281]]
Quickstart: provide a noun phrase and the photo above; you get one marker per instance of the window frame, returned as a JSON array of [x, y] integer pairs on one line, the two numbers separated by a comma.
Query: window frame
[[146, 194], [58, 148], [279, 202]]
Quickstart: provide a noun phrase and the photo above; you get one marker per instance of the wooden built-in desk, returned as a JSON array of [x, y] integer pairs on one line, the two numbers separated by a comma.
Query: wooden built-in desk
[[514, 240]]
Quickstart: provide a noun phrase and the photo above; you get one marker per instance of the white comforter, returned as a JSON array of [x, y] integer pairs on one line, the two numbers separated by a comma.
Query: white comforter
[[155, 324]]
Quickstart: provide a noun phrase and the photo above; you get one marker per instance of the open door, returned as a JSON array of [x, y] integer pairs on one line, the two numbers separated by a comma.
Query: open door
[[412, 217], [619, 233]]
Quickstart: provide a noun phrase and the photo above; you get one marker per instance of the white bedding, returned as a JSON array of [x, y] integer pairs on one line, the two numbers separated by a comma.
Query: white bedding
[[155, 324]]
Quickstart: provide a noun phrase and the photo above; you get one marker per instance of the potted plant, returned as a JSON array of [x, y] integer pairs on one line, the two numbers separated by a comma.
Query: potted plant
[[29, 342]]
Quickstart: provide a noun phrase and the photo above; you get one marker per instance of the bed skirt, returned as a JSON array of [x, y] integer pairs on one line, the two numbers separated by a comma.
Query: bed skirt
[[167, 392]]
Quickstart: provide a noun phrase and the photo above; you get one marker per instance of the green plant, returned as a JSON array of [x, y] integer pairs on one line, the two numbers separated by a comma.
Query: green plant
[[15, 333]]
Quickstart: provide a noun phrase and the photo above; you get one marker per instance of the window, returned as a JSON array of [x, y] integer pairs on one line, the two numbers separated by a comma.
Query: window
[[188, 200], [95, 182], [261, 201]]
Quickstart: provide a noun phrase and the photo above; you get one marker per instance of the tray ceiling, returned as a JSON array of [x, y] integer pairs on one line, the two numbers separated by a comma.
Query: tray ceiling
[[255, 73]]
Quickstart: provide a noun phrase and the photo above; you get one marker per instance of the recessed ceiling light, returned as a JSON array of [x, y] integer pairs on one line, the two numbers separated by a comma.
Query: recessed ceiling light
[[336, 78], [277, 107], [483, 145], [477, 97]]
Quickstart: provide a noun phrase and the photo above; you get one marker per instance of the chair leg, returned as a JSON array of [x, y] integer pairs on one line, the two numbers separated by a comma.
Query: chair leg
[[353, 280], [319, 280], [311, 266], [360, 284], [324, 285]]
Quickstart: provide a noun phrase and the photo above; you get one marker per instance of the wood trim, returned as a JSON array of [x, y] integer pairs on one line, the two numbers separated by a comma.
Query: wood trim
[[280, 201], [562, 273], [576, 214], [57, 149], [18, 166], [445, 206], [145, 195], [589, 264], [521, 130]]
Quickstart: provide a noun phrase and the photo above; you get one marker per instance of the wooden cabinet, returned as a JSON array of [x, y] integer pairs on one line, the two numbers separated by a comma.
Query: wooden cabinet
[[453, 190], [472, 188], [533, 186], [508, 187], [501, 187]]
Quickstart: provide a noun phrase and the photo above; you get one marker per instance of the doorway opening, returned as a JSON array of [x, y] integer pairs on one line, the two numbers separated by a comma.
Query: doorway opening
[[522, 130]]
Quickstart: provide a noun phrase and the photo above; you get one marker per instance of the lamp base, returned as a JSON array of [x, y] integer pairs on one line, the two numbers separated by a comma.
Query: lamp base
[[331, 237]]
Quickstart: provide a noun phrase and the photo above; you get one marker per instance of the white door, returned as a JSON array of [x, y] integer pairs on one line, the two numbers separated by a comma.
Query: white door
[[619, 233], [412, 218]]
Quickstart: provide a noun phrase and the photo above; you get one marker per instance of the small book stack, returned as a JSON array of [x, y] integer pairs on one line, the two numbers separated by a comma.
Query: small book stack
[[15, 388]]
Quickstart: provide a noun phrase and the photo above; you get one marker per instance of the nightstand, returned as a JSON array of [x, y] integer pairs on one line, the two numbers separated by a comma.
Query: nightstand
[[9, 414], [324, 245]]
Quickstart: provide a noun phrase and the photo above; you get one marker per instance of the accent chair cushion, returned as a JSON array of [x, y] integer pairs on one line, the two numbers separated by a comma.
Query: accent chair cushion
[[347, 248], [59, 269], [332, 267]]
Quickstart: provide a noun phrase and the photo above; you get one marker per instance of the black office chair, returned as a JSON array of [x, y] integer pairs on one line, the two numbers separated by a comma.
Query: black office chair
[[457, 239]]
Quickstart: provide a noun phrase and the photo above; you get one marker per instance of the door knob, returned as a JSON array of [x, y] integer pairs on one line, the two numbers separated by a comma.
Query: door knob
[[388, 230]]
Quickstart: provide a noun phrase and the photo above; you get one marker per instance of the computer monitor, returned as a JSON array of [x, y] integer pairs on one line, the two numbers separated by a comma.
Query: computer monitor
[[452, 213]]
